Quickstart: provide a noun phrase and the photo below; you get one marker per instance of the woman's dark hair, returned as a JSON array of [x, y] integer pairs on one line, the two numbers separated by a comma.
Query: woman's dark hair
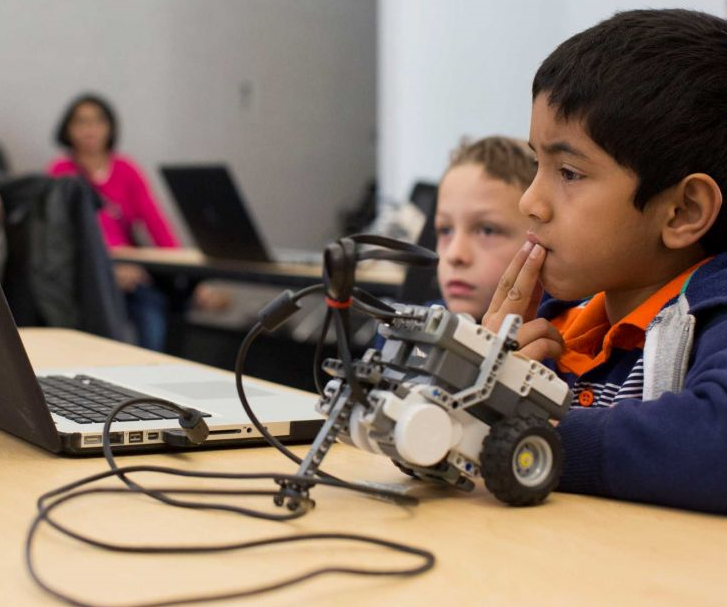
[[651, 89], [62, 130]]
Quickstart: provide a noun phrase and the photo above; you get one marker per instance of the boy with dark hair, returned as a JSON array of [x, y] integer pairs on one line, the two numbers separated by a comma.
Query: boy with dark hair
[[627, 231]]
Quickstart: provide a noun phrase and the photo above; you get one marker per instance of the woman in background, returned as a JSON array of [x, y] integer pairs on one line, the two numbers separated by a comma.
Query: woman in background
[[130, 215]]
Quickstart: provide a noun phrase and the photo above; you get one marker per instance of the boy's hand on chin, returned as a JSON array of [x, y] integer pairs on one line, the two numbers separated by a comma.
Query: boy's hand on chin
[[519, 292]]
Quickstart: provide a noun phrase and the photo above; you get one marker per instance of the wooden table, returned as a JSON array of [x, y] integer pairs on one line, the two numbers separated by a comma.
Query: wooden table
[[572, 550], [381, 278]]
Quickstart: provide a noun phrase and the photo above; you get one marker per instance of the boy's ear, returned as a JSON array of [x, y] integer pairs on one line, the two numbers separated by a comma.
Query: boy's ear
[[691, 211]]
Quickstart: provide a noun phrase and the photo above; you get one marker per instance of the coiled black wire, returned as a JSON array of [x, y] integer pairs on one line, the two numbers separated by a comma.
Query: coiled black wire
[[49, 501]]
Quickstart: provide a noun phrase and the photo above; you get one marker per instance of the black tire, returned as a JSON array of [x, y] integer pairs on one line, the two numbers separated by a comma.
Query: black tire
[[521, 460]]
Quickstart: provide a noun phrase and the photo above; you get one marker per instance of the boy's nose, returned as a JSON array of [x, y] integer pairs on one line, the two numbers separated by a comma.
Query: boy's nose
[[534, 203], [459, 251]]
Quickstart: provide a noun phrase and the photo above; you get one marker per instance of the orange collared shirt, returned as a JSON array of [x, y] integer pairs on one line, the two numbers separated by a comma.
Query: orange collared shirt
[[589, 337]]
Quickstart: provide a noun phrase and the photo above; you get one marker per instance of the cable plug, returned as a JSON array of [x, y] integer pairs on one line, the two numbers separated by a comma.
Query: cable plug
[[194, 430], [192, 422]]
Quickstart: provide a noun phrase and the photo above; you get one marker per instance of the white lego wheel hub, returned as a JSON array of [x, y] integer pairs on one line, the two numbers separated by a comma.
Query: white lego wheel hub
[[532, 461]]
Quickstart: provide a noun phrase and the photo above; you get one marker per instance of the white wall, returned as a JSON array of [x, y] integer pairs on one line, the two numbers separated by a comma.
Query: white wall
[[453, 68], [300, 141]]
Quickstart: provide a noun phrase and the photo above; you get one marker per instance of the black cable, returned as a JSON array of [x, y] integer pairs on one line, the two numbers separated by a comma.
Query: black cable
[[52, 499], [397, 251], [366, 297], [239, 367], [252, 334], [193, 426], [377, 313], [272, 440], [428, 559]]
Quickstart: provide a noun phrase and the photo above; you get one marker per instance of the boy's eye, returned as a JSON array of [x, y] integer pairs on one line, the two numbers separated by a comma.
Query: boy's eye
[[488, 230], [569, 175], [442, 231]]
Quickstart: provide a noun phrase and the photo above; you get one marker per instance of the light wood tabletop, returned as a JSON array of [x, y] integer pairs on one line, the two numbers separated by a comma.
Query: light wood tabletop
[[572, 550], [384, 278]]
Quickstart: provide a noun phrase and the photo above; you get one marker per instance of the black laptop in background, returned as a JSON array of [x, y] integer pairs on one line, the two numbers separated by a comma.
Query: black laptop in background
[[215, 212], [218, 217]]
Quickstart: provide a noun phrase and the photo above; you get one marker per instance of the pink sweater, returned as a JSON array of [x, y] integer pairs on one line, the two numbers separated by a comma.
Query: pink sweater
[[127, 202]]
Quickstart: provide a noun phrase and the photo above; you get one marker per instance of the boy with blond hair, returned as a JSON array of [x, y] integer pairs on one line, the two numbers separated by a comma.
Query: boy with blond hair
[[478, 225]]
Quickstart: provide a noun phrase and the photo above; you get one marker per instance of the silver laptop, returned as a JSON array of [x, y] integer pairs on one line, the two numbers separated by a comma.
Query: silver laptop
[[217, 215], [67, 414]]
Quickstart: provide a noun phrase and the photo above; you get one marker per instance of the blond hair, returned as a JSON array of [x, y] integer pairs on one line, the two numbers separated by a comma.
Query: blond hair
[[505, 158]]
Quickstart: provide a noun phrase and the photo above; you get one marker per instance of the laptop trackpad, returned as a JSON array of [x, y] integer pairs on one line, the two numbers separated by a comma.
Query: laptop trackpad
[[209, 390]]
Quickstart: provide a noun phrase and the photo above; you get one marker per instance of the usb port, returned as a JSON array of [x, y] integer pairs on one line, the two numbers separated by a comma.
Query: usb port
[[116, 438], [136, 437], [94, 439], [152, 436]]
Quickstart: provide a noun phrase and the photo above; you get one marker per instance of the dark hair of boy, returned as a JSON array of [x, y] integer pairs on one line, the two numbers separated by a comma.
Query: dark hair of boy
[[504, 158], [91, 98], [651, 89]]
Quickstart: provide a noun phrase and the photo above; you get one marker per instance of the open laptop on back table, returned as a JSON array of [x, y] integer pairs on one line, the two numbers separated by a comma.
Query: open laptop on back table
[[219, 219], [64, 410]]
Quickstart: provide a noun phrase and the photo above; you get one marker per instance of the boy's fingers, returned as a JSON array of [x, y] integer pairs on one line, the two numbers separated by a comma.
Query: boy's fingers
[[527, 284], [518, 299], [508, 279], [540, 340], [538, 329], [492, 321], [543, 348]]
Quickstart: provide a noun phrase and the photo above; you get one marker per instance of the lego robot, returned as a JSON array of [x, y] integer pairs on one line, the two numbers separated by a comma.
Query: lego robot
[[449, 401]]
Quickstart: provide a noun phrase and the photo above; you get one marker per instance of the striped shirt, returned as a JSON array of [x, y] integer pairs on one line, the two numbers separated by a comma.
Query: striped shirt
[[603, 363]]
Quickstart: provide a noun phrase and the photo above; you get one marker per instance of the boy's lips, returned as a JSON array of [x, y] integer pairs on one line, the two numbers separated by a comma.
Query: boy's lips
[[459, 288], [535, 240]]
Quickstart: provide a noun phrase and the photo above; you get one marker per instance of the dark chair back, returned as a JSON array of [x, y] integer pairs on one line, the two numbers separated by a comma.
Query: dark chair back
[[420, 284], [58, 272], [424, 196], [4, 164]]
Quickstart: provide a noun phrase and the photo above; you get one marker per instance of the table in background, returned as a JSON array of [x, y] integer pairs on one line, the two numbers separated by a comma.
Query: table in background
[[381, 278], [572, 550], [214, 337]]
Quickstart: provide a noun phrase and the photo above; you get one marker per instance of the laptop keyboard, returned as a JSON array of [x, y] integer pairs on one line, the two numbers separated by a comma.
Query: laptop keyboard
[[86, 400]]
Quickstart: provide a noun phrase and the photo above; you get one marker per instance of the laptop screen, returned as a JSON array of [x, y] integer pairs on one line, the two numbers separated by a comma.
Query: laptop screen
[[23, 410], [215, 211]]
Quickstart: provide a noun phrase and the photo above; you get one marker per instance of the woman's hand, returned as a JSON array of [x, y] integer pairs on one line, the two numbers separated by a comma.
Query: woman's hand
[[129, 276], [211, 298], [519, 292]]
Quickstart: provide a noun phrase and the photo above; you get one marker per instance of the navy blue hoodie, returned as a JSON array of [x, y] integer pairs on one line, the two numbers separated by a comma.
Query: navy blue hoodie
[[669, 446]]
